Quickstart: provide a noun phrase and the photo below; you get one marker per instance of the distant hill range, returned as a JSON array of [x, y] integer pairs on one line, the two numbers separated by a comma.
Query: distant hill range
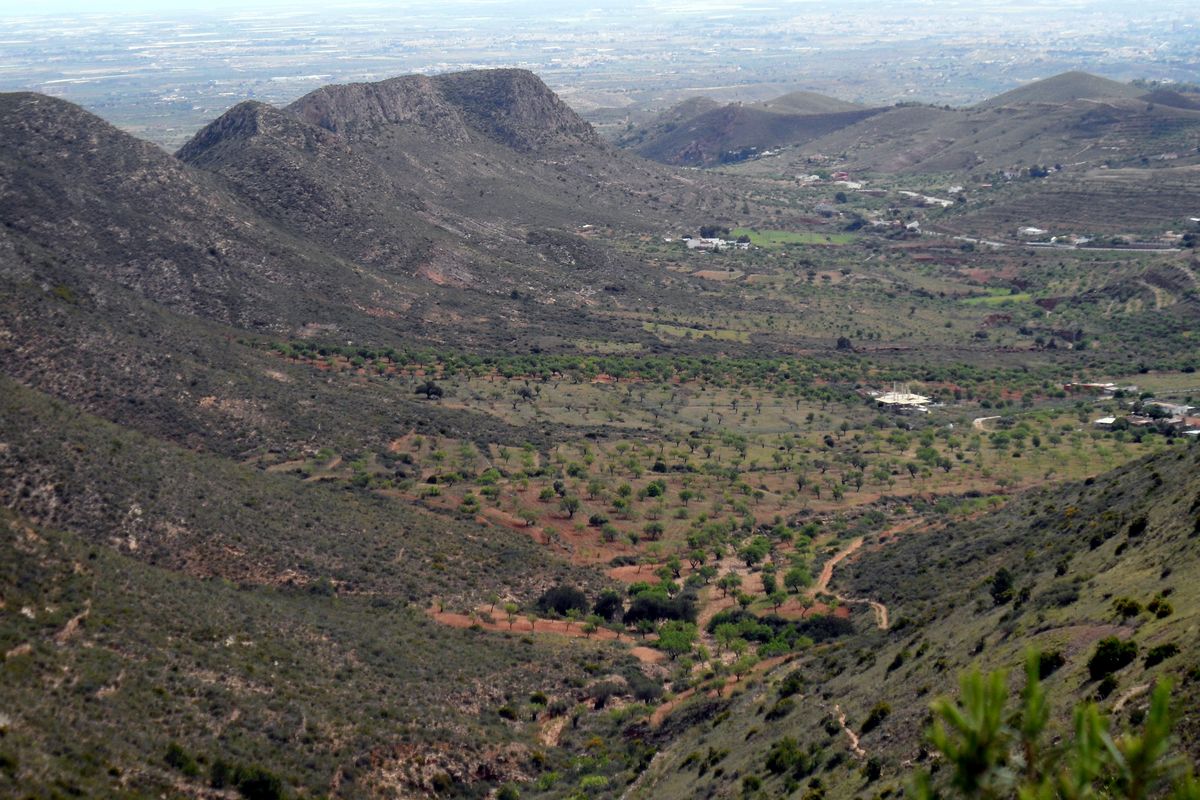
[[1065, 88], [699, 132], [371, 208], [415, 212], [1073, 118]]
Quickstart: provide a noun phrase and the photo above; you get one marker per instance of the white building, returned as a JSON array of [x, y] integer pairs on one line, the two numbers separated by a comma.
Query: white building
[[901, 399], [715, 244]]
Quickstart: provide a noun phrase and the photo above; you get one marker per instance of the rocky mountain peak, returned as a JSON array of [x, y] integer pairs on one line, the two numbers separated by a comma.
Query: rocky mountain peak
[[516, 108], [511, 106], [250, 120]]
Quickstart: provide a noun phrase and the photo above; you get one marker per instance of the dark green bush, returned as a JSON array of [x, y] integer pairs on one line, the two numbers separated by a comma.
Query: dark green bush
[[1159, 607], [781, 709], [1111, 655], [1002, 587], [253, 783], [783, 755], [1161, 653], [879, 712], [181, 760], [792, 684], [561, 599], [608, 604], [1049, 663], [1127, 607]]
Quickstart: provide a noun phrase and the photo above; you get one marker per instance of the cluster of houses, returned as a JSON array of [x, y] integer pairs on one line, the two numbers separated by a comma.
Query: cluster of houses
[[714, 243], [1157, 415]]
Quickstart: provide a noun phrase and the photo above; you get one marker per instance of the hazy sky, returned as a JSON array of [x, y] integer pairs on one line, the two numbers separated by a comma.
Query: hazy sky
[[51, 7], [15, 8]]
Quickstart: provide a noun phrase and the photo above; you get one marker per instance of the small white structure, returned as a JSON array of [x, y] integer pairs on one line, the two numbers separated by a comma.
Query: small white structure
[[1031, 231], [715, 244], [901, 399], [1105, 422]]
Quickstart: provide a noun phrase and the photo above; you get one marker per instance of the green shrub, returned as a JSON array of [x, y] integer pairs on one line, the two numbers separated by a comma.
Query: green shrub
[[1127, 607], [593, 782], [561, 599], [1161, 653], [783, 755], [1111, 655], [780, 710], [1159, 607], [792, 684], [1002, 587], [253, 783], [1049, 663], [879, 712], [181, 760]]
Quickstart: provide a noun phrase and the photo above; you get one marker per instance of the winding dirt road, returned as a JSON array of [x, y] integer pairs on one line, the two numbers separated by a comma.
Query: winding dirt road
[[822, 584], [850, 735]]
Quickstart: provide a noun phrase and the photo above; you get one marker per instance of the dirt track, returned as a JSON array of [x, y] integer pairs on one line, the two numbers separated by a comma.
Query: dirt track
[[850, 735], [822, 584]]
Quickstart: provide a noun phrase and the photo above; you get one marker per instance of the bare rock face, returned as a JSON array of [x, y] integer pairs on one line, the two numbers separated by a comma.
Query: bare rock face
[[514, 107], [248, 120], [510, 106], [357, 109]]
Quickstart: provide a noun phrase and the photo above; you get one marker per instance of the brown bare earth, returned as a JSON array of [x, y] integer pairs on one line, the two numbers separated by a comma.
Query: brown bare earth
[[851, 736], [490, 620]]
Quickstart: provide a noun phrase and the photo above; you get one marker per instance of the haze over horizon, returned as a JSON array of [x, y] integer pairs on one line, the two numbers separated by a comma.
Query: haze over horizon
[[161, 72]]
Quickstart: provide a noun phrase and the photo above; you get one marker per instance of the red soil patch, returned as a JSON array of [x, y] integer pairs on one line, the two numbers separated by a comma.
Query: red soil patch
[[710, 609], [634, 573], [793, 610], [510, 521], [646, 655]]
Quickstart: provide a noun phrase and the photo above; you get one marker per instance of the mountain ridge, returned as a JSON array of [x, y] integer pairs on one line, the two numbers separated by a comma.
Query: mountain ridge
[[1064, 87], [512, 106]]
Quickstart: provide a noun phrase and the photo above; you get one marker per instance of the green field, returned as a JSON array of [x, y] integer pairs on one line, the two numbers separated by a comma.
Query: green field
[[996, 299], [775, 239]]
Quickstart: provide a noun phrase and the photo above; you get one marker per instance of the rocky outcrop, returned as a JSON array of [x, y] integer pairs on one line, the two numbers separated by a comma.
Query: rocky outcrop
[[510, 106], [357, 109]]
